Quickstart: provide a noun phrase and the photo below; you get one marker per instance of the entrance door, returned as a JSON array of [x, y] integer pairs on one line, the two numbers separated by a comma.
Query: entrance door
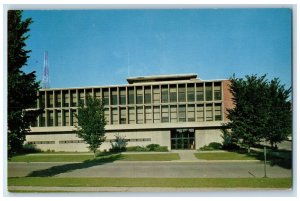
[[183, 139]]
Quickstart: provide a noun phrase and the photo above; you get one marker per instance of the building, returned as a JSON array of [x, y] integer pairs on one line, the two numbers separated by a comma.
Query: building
[[177, 111]]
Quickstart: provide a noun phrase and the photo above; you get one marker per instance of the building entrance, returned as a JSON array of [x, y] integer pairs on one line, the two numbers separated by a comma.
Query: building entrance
[[183, 139]]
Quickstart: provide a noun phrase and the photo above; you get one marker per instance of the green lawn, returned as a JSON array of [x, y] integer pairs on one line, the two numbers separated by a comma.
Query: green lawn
[[154, 182], [224, 156], [83, 158]]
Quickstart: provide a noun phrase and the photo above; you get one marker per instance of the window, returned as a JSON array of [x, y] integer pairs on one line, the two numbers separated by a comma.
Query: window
[[131, 115], [58, 118], [191, 92], [43, 119], [164, 114], [66, 118], [182, 113], [73, 99], [139, 116], [89, 92], [139, 95], [57, 99], [156, 114], [173, 93], [209, 112], [131, 95], [217, 91], [50, 118], [156, 94], [114, 96], [66, 99], [199, 91], [97, 94], [147, 95], [122, 92], [123, 115], [106, 114], [42, 99], [200, 112], [105, 96], [81, 95], [50, 99], [148, 114], [73, 118], [114, 116], [208, 91], [164, 94], [173, 113], [181, 93], [191, 113], [218, 112]]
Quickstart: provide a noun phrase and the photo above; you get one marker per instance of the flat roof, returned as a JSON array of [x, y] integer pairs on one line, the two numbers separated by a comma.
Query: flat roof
[[155, 78]]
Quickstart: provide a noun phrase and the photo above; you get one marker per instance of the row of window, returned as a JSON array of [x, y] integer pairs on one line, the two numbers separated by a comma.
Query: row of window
[[82, 141], [171, 93], [140, 114]]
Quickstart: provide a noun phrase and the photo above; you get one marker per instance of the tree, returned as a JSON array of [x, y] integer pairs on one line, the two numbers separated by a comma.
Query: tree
[[22, 87], [262, 110], [91, 123]]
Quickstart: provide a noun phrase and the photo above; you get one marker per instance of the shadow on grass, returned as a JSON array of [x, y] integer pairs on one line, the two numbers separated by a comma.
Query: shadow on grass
[[281, 158], [55, 170]]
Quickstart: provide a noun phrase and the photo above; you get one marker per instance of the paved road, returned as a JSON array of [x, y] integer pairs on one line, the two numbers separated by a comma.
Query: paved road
[[149, 169]]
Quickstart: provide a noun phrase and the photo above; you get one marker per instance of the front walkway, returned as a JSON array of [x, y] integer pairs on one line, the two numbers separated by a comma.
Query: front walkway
[[186, 155]]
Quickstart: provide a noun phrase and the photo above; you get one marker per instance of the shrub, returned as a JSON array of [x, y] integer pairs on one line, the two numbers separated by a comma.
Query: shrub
[[206, 148], [137, 148], [162, 149], [30, 148], [215, 145], [152, 147], [119, 145]]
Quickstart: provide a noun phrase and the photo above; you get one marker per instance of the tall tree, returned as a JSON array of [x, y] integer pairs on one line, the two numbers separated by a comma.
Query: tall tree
[[91, 123], [22, 87], [262, 110]]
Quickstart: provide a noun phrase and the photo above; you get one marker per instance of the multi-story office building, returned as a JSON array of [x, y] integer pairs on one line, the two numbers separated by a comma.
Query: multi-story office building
[[178, 111]]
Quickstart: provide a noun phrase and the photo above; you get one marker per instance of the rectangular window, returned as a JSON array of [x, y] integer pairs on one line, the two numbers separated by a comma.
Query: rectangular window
[[139, 116], [156, 114], [114, 116], [73, 118], [139, 95], [191, 113], [114, 96], [148, 114], [164, 114], [73, 99], [181, 93], [218, 112], [66, 118], [164, 94], [217, 91], [191, 92], [57, 98], [200, 112], [43, 119], [89, 92], [50, 99], [130, 95], [105, 96], [209, 112], [173, 94], [131, 115], [106, 114], [97, 93], [81, 95], [208, 91], [156, 94], [122, 92], [66, 99], [182, 113], [42, 99], [58, 118], [173, 113], [147, 95], [123, 115], [199, 92], [50, 118]]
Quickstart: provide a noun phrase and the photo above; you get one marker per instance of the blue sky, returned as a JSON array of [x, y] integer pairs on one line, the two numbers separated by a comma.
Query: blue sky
[[103, 47]]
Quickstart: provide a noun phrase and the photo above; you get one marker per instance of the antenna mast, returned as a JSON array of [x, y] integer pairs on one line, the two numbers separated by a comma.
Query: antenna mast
[[45, 80]]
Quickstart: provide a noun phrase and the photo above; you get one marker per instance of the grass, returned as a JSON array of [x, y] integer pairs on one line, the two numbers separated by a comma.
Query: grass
[[153, 182], [82, 158], [224, 156]]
